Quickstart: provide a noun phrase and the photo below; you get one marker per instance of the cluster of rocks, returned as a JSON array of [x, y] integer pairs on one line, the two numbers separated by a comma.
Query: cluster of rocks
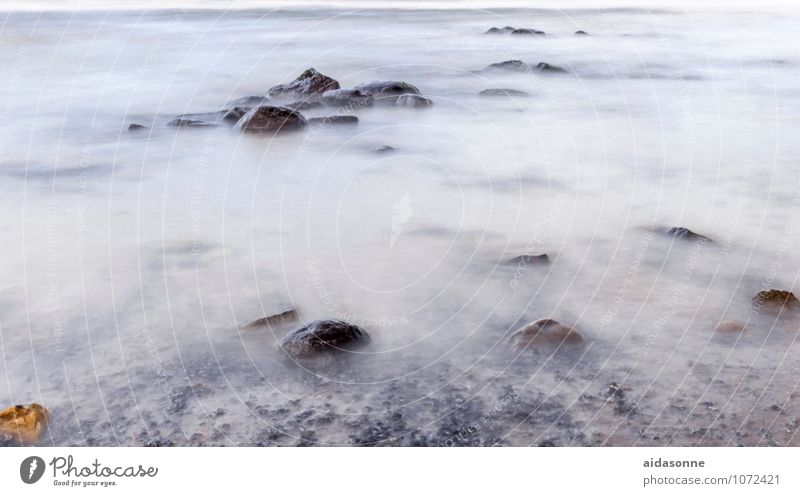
[[280, 110], [524, 31]]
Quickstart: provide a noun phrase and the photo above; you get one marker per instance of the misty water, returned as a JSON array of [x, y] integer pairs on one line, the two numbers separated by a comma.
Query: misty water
[[130, 260]]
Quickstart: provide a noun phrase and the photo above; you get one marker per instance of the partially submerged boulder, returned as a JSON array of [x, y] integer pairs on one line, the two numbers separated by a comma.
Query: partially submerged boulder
[[495, 30], [527, 31], [683, 233], [541, 259], [776, 300], [503, 92], [24, 423], [267, 119], [581, 32], [303, 105], [730, 327], [233, 115], [413, 101], [136, 127], [347, 97], [185, 122], [273, 320], [547, 332], [248, 101], [324, 336], [383, 149], [387, 91], [510, 65], [548, 68], [310, 83]]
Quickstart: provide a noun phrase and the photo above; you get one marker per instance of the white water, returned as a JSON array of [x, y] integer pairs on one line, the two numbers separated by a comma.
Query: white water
[[129, 258]]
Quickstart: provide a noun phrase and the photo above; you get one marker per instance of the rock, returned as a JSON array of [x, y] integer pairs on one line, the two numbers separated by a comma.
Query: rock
[[303, 105], [513, 65], [545, 67], [413, 101], [248, 101], [136, 127], [683, 233], [730, 327], [775, 300], [494, 30], [270, 120], [309, 83], [503, 92], [334, 119], [272, 320], [581, 33], [530, 260], [547, 332], [387, 91], [233, 115], [383, 149], [526, 31], [324, 336], [347, 97], [183, 122], [24, 423]]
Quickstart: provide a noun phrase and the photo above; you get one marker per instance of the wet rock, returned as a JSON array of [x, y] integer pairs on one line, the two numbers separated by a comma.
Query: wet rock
[[541, 259], [580, 32], [284, 317], [413, 101], [233, 115], [548, 68], [303, 105], [24, 423], [184, 122], [495, 30], [526, 31], [248, 101], [730, 327], [347, 98], [387, 91], [547, 332], [321, 336], [503, 92], [333, 119], [683, 233], [383, 149], [310, 83], [512, 65], [270, 120], [136, 127], [775, 300]]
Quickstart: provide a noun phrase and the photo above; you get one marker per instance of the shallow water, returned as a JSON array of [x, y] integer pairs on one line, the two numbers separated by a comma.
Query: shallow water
[[130, 259]]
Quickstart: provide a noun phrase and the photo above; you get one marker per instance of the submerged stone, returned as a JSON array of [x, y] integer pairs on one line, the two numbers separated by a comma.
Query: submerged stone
[[503, 92], [413, 101], [541, 259], [527, 31], [775, 300], [334, 119], [387, 91], [311, 82], [324, 336], [683, 233], [275, 319], [547, 332], [730, 327], [270, 120]]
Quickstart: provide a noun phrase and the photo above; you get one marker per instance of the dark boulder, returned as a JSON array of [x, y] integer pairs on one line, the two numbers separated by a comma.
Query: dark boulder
[[413, 101], [347, 98], [333, 119], [383, 149], [510, 65], [322, 336], [503, 92], [270, 120], [547, 332], [683, 233], [233, 115], [495, 30], [136, 127], [581, 33], [545, 67], [387, 91], [775, 300], [526, 31], [272, 320], [541, 259], [309, 83]]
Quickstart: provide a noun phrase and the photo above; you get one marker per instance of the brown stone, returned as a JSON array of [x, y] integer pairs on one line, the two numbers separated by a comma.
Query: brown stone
[[24, 423], [775, 300], [730, 327], [547, 332], [270, 120]]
